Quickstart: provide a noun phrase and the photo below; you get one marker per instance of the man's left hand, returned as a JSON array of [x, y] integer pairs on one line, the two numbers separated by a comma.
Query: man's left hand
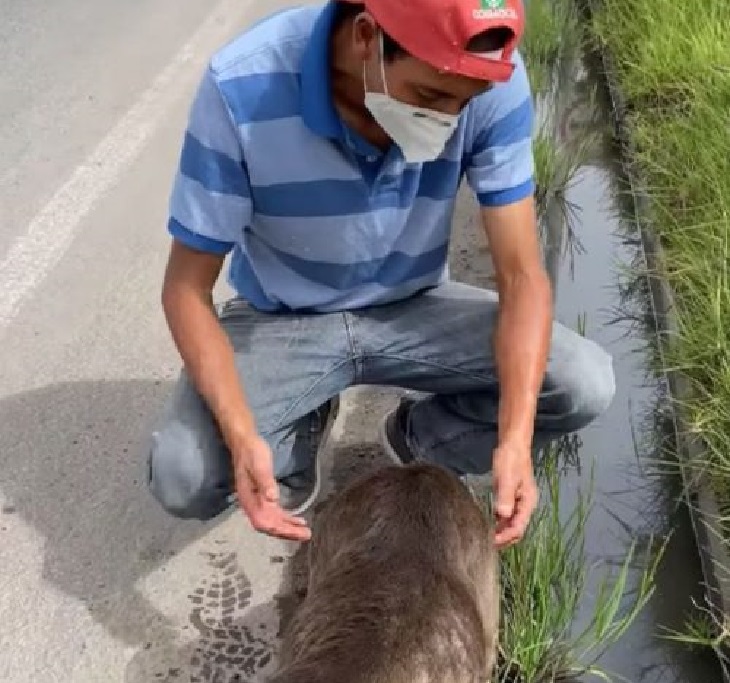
[[515, 492]]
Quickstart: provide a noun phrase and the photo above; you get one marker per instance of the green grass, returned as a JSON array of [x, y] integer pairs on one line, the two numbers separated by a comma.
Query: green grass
[[552, 42], [544, 583], [552, 32], [704, 630], [556, 168], [673, 66], [670, 55]]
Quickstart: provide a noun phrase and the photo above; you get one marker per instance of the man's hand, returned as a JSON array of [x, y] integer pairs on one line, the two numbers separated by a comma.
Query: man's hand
[[258, 492], [515, 492]]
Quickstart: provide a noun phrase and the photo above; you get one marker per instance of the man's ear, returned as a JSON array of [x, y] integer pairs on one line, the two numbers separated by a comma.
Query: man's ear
[[365, 36]]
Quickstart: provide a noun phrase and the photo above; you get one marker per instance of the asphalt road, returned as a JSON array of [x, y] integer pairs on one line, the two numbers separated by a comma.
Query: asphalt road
[[95, 578]]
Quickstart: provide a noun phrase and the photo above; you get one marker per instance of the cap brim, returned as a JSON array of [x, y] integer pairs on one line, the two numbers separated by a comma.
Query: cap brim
[[485, 68]]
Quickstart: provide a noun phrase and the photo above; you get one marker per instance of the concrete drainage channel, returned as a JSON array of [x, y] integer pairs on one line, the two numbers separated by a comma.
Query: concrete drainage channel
[[634, 500], [704, 510], [632, 316]]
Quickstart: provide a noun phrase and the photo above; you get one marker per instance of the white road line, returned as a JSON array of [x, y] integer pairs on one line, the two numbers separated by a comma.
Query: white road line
[[51, 232]]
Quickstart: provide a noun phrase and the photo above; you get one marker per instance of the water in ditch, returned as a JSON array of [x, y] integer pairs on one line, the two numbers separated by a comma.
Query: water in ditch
[[632, 499]]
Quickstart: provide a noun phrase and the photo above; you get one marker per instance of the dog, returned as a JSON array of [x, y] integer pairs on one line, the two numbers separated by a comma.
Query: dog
[[403, 585]]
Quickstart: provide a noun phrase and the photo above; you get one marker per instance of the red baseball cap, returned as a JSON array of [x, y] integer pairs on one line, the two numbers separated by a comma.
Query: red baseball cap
[[438, 31]]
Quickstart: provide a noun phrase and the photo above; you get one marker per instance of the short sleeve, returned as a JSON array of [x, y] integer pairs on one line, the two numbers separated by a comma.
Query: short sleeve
[[210, 202], [499, 160]]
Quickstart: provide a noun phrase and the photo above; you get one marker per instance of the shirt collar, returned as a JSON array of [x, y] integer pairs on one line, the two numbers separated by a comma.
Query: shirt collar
[[318, 109]]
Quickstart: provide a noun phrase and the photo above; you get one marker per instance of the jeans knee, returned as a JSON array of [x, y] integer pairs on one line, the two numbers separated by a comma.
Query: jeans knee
[[180, 480], [594, 384]]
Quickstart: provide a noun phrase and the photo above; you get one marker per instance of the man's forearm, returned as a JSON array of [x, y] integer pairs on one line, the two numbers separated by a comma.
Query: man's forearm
[[209, 360], [522, 342]]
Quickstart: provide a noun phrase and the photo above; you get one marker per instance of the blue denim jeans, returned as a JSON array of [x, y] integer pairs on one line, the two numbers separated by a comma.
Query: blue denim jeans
[[438, 342]]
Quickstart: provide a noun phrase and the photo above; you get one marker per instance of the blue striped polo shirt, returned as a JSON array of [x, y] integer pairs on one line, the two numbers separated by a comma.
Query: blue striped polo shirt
[[314, 217]]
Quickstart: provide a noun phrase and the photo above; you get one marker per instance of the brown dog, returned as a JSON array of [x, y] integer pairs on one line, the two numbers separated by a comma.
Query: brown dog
[[403, 586]]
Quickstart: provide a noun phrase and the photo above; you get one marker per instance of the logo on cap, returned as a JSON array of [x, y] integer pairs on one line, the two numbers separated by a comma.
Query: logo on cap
[[494, 9]]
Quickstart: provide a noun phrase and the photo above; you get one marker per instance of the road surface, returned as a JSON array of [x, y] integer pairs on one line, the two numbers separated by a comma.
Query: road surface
[[98, 584]]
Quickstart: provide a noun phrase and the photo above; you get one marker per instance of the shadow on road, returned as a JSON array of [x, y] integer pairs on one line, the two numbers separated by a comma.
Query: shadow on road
[[74, 469]]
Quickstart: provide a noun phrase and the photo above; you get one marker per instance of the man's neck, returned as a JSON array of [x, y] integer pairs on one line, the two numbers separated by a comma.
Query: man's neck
[[348, 92]]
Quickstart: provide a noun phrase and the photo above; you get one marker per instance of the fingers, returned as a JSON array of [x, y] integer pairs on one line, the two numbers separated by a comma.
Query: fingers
[[511, 529], [506, 535], [281, 525], [267, 516], [505, 489]]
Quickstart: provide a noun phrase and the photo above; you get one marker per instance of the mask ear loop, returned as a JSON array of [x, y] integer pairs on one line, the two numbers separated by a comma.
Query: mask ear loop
[[382, 63], [381, 51]]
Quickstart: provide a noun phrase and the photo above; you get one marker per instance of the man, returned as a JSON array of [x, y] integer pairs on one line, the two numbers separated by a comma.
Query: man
[[324, 150]]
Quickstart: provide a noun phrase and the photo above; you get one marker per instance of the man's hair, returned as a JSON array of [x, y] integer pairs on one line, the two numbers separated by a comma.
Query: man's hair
[[487, 41]]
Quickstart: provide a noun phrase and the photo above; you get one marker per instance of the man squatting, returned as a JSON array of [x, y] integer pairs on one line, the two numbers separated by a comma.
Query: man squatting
[[323, 151]]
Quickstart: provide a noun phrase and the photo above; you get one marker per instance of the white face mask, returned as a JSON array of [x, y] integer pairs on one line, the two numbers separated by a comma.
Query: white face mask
[[420, 133]]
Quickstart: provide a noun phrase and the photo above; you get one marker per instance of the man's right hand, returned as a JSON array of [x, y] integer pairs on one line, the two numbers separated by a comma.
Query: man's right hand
[[258, 492]]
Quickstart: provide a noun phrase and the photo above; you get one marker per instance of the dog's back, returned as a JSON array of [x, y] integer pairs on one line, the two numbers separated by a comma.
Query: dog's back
[[403, 585]]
